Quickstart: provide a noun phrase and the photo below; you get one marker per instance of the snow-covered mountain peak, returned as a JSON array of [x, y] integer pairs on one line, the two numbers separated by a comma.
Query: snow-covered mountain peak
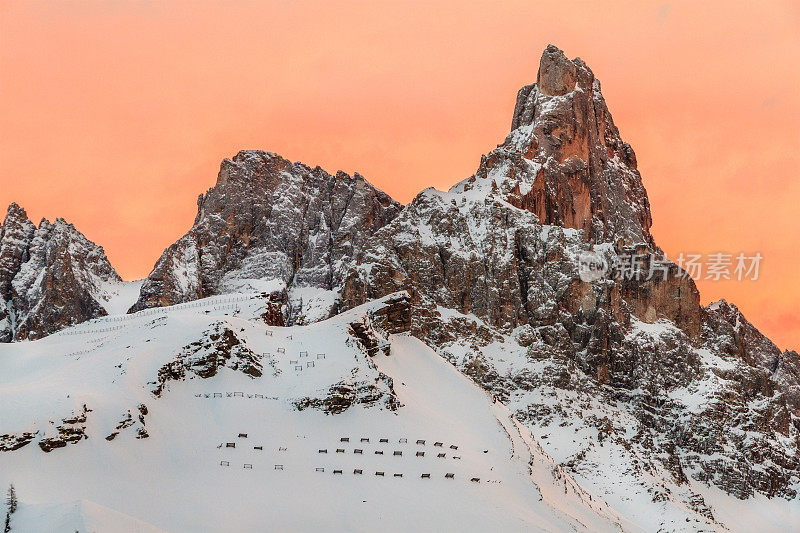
[[493, 269], [249, 166], [14, 213]]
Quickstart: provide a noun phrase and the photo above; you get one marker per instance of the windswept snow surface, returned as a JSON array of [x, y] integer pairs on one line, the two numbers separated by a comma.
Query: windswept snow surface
[[117, 297], [81, 516], [184, 477]]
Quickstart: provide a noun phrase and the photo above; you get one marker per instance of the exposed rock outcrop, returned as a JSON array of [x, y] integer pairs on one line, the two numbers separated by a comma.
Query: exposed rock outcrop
[[367, 338], [219, 348], [71, 430], [15, 441], [128, 421], [395, 316], [729, 333], [341, 396]]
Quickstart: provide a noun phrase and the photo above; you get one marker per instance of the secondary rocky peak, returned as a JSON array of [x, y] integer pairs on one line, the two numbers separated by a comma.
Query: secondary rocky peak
[[48, 276], [727, 329], [250, 166], [15, 212], [16, 233], [269, 223]]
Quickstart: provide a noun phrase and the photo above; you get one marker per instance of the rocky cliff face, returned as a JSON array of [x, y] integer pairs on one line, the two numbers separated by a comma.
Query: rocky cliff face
[[49, 277], [269, 220], [728, 332], [504, 244], [585, 174]]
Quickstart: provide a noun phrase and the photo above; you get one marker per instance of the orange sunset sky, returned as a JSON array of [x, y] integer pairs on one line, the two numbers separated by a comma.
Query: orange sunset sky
[[115, 115]]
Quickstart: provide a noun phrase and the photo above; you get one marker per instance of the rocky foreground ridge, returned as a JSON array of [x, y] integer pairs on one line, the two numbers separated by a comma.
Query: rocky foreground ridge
[[635, 369], [49, 276]]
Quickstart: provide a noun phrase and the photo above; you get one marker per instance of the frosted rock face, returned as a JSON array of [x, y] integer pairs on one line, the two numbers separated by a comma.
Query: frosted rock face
[[48, 276], [504, 243], [730, 332], [269, 219], [16, 233], [727, 331], [565, 160]]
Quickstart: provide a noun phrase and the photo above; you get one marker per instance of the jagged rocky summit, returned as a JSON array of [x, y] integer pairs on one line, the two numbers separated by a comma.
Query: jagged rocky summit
[[493, 269], [503, 244], [49, 276], [585, 174], [269, 220]]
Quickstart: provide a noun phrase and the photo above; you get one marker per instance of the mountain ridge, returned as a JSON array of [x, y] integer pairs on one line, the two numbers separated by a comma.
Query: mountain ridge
[[616, 377]]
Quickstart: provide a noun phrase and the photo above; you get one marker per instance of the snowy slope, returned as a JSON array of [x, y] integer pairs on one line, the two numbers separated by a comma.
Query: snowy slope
[[117, 297], [598, 441], [77, 516], [183, 477]]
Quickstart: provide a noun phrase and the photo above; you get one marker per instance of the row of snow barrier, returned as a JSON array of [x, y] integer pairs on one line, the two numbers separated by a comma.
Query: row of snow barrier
[[382, 473], [218, 303], [253, 396], [385, 440], [302, 355], [247, 466], [269, 333], [396, 453], [226, 308], [81, 352], [259, 448], [89, 331], [214, 301]]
